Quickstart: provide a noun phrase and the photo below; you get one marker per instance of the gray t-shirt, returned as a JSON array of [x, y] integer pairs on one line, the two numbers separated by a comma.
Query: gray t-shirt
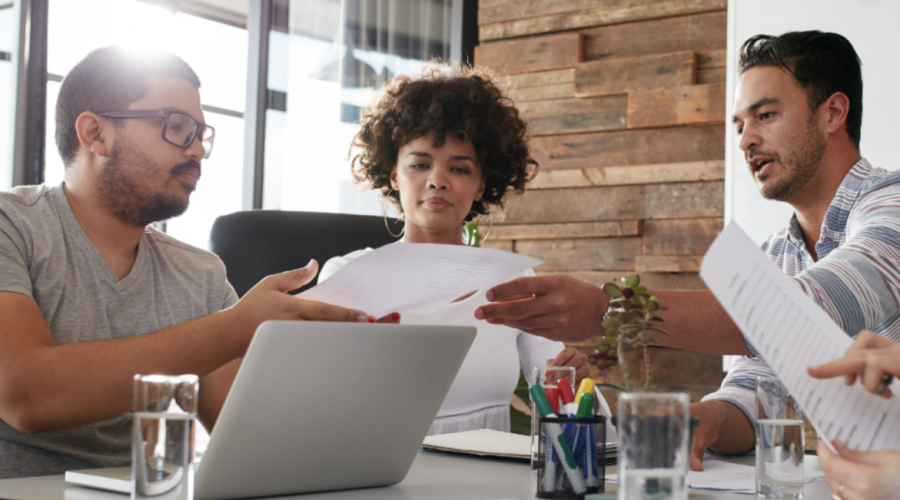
[[45, 255]]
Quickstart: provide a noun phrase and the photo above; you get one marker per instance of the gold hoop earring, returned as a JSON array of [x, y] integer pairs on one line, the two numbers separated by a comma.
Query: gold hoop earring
[[386, 226]]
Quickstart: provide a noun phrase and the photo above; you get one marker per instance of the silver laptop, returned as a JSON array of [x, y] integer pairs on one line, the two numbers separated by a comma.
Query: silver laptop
[[328, 406]]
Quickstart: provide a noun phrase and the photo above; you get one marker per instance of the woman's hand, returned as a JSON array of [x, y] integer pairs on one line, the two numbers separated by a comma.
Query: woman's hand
[[571, 357], [857, 475], [870, 358]]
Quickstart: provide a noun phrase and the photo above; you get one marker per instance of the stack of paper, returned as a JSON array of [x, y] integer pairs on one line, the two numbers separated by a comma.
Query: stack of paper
[[726, 477]]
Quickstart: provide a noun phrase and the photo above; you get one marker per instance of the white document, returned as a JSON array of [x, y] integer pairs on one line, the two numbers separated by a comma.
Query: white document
[[791, 332], [416, 278], [726, 477]]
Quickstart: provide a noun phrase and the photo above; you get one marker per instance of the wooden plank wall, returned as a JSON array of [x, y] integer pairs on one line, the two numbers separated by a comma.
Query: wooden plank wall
[[626, 106]]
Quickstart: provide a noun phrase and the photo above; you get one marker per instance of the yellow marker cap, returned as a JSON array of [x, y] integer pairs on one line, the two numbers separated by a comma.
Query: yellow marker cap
[[586, 387]]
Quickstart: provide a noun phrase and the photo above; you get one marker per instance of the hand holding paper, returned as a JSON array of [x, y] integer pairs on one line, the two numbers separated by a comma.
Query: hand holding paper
[[792, 332], [416, 278]]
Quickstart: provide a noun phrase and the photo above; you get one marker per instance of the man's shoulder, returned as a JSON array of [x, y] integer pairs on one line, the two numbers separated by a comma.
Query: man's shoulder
[[25, 198], [880, 179]]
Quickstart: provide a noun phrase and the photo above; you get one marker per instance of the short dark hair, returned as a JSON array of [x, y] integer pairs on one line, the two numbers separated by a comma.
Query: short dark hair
[[823, 63], [109, 79], [468, 103]]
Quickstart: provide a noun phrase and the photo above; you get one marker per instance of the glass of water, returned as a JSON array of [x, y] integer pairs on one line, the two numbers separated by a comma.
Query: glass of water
[[547, 376], [779, 441], [654, 445], [165, 407]]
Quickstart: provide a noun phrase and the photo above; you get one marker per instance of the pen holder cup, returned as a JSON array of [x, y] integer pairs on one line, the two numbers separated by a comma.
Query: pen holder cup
[[571, 461]]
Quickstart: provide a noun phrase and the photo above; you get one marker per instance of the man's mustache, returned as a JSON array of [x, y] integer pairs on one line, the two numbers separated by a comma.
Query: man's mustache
[[184, 167]]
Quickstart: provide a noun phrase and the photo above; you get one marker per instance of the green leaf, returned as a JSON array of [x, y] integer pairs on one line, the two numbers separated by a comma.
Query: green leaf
[[633, 281], [612, 332], [610, 323], [652, 306], [608, 341], [640, 289], [612, 290], [611, 352], [640, 300], [645, 335]]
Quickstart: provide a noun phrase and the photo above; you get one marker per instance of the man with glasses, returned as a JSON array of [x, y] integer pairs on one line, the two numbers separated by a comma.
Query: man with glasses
[[90, 295]]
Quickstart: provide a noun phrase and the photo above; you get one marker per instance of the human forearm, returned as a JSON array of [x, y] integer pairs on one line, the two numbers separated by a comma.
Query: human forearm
[[735, 432], [723, 427], [214, 389], [697, 322], [49, 387]]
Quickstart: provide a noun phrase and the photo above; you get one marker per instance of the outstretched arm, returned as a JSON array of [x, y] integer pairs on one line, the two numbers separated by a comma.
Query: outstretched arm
[[566, 309], [46, 387]]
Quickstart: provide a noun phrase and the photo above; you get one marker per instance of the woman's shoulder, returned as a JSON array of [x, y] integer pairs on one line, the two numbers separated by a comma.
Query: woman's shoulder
[[335, 264]]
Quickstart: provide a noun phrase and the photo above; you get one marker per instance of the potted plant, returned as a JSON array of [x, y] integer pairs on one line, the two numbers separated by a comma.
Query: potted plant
[[632, 321]]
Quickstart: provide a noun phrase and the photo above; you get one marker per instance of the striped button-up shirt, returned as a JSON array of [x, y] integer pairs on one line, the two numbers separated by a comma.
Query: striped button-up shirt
[[856, 279]]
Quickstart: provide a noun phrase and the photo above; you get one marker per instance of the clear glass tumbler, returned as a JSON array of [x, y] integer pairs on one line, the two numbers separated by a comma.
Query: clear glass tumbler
[[547, 376], [779, 441], [654, 445], [165, 407]]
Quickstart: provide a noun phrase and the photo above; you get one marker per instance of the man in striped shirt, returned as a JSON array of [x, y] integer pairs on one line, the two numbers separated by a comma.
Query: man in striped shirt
[[798, 115]]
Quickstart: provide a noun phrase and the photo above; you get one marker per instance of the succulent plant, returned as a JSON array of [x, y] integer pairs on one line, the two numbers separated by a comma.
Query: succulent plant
[[631, 320]]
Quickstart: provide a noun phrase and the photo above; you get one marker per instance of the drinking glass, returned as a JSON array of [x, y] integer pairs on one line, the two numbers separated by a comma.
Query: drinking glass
[[654, 451], [779, 441], [165, 407], [547, 376]]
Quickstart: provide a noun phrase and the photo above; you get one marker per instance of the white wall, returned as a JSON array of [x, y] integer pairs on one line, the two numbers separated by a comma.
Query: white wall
[[870, 26]]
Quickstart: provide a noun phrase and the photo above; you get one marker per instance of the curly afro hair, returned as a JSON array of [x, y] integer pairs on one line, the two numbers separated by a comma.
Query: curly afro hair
[[467, 103]]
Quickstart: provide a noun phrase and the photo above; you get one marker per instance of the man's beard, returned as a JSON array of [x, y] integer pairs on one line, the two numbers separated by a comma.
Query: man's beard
[[121, 188], [800, 164]]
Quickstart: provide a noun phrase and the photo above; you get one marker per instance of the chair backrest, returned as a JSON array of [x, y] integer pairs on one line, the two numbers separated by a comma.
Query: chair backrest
[[258, 243]]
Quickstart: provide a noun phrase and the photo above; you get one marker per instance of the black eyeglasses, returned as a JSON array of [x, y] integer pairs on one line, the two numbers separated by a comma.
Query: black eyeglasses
[[177, 128]]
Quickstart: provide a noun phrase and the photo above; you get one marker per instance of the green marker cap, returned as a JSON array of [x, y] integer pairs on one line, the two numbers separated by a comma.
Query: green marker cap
[[586, 406], [540, 400]]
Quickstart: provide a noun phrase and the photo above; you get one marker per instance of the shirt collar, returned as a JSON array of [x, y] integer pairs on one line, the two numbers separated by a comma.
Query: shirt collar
[[835, 221]]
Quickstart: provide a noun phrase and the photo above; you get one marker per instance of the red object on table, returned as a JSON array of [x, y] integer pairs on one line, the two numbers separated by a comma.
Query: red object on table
[[565, 391], [553, 397]]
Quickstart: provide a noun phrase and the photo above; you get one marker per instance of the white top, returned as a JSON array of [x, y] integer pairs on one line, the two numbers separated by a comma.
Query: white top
[[480, 395]]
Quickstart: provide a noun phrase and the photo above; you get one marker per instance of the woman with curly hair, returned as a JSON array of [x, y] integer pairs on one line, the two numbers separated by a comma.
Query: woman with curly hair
[[445, 148]]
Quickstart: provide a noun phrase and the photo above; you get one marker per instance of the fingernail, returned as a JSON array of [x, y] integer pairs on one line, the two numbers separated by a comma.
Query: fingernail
[[371, 319], [395, 316], [479, 314], [309, 264], [362, 318], [490, 296]]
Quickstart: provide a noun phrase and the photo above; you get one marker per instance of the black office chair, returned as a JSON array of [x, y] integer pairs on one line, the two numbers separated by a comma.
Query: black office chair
[[258, 243]]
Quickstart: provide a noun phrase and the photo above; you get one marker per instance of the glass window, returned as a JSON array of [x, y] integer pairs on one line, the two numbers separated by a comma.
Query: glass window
[[330, 64], [8, 31], [218, 54]]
